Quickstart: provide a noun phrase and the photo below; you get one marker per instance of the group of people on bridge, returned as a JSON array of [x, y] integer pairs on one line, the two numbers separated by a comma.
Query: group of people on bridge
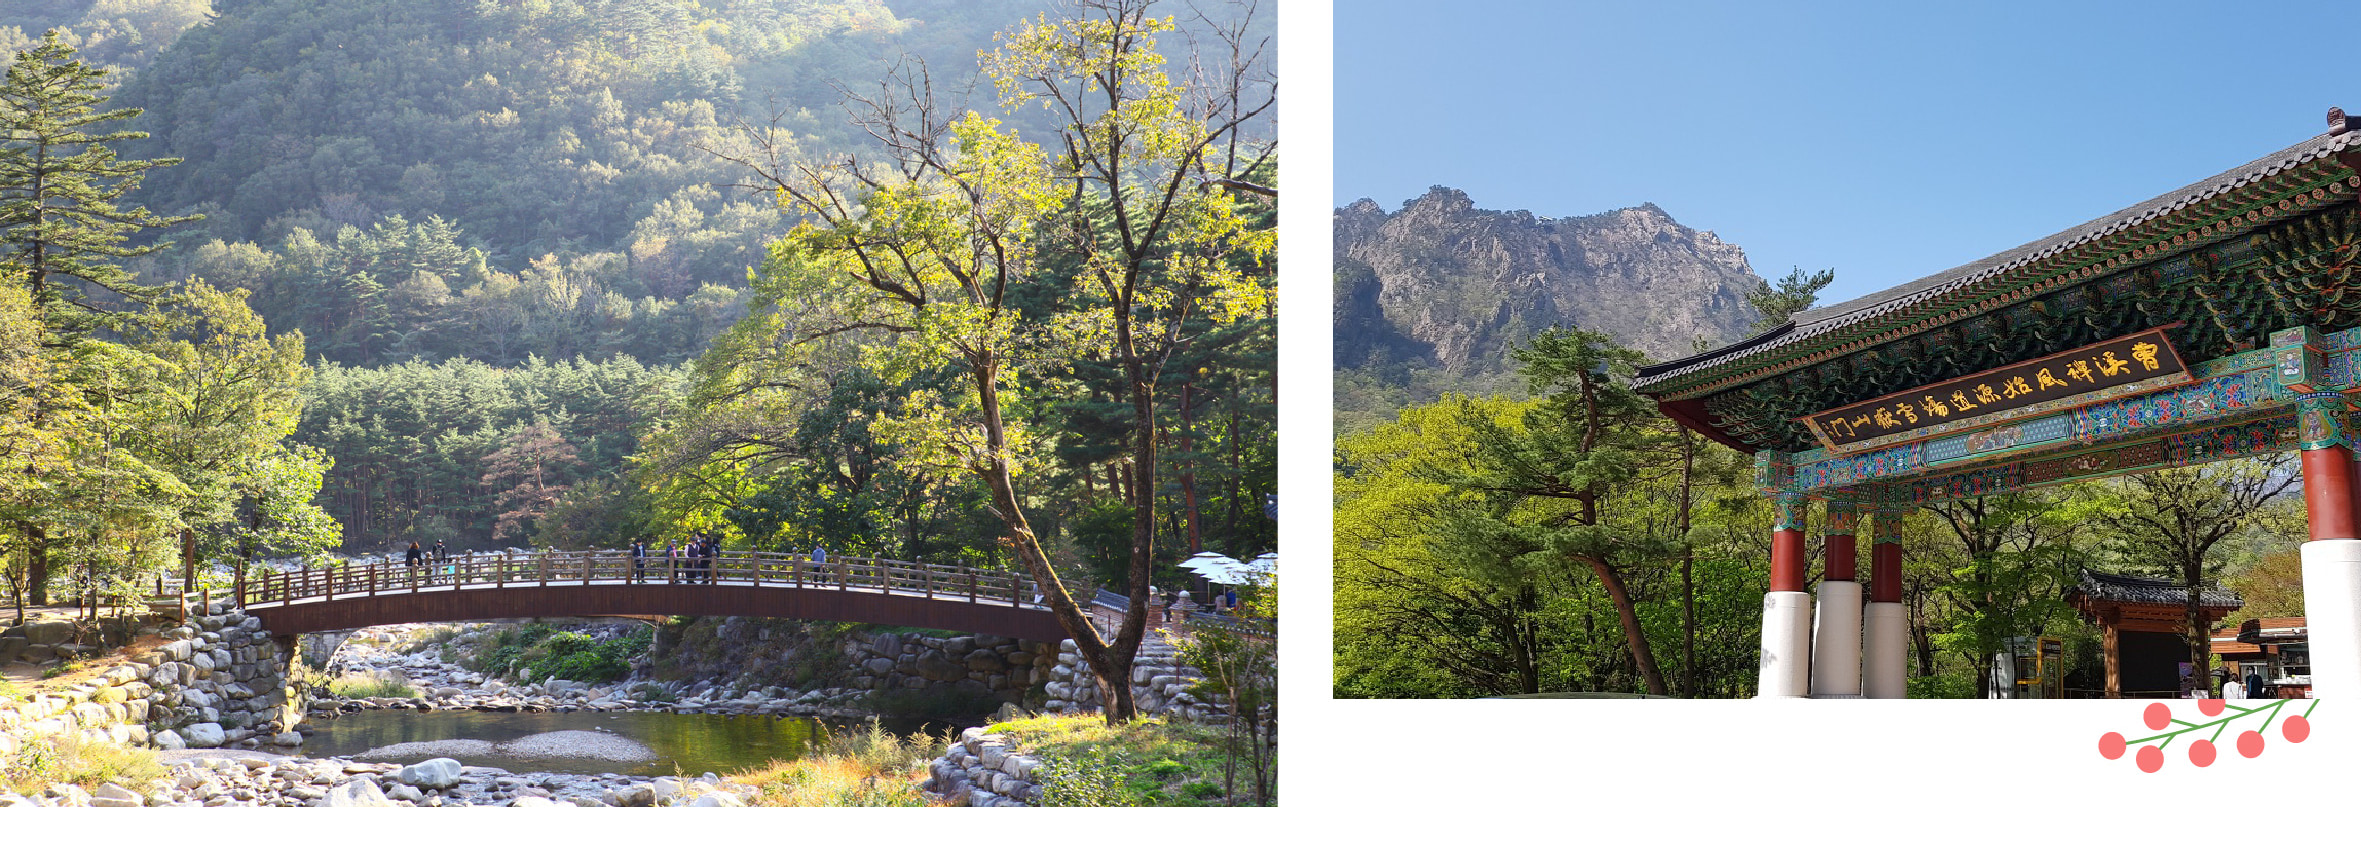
[[696, 557]]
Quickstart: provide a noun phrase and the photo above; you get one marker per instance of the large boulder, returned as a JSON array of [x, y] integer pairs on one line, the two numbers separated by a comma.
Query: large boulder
[[203, 735], [935, 667], [437, 774], [49, 632]]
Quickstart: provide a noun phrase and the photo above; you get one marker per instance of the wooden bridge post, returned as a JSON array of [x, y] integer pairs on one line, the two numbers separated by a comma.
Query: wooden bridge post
[[239, 580], [971, 585], [545, 563]]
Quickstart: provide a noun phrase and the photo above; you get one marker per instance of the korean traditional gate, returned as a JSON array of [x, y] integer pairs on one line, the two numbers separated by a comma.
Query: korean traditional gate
[[2218, 321]]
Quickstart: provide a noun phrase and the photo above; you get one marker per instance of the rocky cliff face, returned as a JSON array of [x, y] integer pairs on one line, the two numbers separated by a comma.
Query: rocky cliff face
[[1446, 286]]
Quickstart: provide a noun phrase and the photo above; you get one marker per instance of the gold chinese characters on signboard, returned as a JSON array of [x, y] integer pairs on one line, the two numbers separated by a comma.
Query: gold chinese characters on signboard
[[2064, 379]]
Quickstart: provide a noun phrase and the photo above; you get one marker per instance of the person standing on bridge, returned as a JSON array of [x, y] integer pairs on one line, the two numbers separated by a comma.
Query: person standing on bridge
[[820, 556], [671, 559], [705, 556], [639, 559], [412, 557]]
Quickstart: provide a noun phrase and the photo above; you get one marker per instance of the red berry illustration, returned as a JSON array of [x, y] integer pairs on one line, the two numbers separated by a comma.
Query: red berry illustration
[[2250, 744], [2158, 716], [2111, 745], [2295, 729], [2151, 759], [2211, 706], [2201, 753]]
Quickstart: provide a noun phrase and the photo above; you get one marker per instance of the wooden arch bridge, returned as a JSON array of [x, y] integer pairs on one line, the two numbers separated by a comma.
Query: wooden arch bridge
[[766, 585]]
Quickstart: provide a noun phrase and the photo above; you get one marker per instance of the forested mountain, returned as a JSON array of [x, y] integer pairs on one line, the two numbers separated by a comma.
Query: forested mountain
[[1430, 298], [505, 237], [120, 35]]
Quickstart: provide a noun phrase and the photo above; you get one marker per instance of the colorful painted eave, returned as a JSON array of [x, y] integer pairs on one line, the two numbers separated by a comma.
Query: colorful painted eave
[[2234, 394], [2310, 175]]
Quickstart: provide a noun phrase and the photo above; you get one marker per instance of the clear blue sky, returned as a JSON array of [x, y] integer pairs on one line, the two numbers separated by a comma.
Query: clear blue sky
[[1886, 140]]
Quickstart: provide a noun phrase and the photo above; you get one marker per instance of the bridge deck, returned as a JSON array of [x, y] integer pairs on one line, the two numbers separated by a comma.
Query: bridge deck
[[872, 591]]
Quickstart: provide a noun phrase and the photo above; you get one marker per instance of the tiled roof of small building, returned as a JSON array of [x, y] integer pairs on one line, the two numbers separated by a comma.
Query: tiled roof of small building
[[2126, 588]]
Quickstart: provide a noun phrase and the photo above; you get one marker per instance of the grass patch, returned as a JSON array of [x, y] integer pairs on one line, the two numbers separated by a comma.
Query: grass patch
[[373, 685], [67, 758], [1144, 762], [860, 766], [11, 692]]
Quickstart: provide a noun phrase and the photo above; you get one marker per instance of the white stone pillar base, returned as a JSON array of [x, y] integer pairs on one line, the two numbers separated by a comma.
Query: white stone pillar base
[[2332, 616], [1836, 640], [1883, 654], [1786, 645]]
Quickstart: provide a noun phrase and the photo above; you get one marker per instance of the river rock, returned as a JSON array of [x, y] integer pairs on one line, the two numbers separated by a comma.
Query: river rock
[[642, 794], [111, 795], [718, 800], [203, 735], [357, 793], [437, 774]]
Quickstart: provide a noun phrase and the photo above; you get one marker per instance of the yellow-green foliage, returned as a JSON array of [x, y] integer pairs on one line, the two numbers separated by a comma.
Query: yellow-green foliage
[[1147, 761], [66, 758], [377, 685], [856, 767]]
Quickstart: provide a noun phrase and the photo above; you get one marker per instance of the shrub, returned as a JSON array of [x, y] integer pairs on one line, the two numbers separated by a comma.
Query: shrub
[[1146, 761], [863, 766], [88, 764], [1092, 780]]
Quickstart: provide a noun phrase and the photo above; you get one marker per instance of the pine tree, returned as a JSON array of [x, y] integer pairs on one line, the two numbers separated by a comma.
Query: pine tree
[[58, 186]]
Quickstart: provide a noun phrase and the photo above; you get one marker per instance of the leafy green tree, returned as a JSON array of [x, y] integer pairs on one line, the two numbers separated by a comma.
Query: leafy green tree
[[2177, 522], [1241, 667], [1780, 302], [58, 185], [934, 260], [2012, 557], [1549, 490]]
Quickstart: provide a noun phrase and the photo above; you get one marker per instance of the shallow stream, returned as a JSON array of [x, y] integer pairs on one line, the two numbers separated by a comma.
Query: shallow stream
[[636, 744]]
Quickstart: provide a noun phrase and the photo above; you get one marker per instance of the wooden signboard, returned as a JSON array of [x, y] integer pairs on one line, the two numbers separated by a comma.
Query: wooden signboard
[[2141, 362]]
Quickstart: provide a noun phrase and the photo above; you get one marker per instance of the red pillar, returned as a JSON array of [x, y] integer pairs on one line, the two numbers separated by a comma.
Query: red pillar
[[1885, 555], [1787, 542], [2328, 467], [1844, 554]]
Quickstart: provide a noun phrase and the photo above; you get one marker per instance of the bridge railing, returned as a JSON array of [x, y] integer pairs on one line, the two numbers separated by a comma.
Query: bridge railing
[[617, 567]]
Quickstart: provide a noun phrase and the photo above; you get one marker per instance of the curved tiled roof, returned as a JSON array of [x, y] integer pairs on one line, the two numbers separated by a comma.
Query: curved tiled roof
[[1823, 322], [2126, 588]]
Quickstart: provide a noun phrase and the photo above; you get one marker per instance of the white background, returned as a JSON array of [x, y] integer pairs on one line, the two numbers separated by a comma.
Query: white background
[[1440, 776]]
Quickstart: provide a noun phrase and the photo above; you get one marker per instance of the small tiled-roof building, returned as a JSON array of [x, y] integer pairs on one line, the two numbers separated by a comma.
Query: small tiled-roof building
[[2141, 619]]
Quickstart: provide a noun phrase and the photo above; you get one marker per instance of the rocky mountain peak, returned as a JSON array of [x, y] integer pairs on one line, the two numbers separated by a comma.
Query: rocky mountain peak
[[1443, 285]]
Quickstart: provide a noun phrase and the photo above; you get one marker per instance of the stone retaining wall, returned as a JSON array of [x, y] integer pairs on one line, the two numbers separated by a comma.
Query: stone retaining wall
[[986, 771], [1159, 685], [216, 681], [734, 655]]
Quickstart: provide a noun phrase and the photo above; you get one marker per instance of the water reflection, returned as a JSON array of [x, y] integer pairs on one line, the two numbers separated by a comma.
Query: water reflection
[[691, 743]]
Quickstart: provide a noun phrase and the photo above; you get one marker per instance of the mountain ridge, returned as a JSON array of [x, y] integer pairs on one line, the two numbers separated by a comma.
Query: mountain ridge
[[1433, 297]]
